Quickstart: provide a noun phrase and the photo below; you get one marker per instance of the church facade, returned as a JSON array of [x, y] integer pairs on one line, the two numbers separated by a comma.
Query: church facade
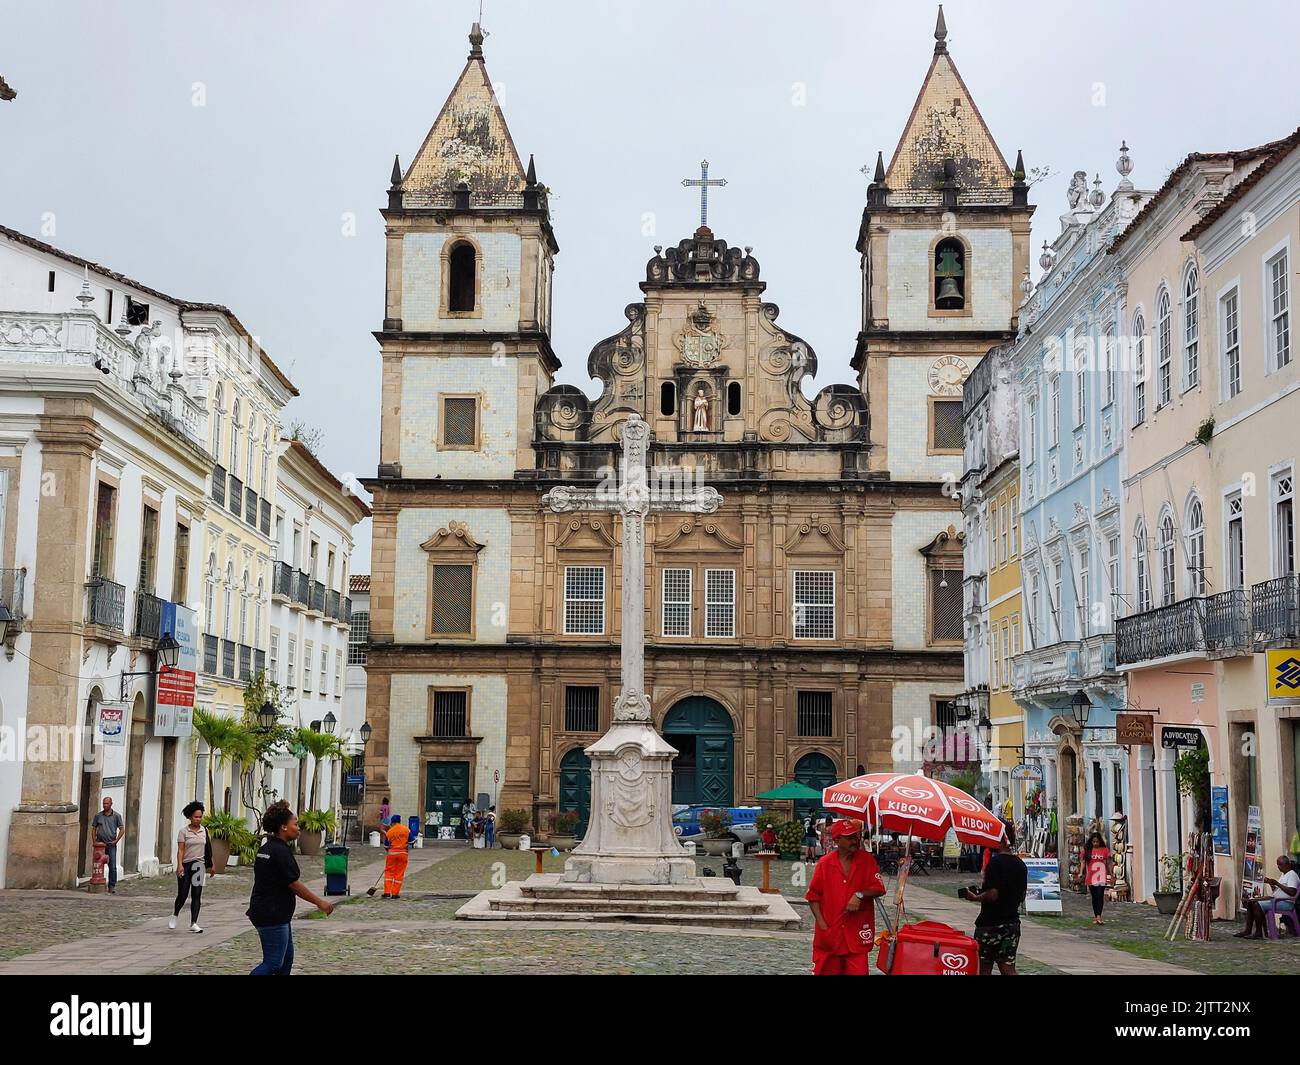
[[813, 624]]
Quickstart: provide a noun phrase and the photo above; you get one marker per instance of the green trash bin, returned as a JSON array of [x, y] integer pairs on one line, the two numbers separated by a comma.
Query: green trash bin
[[336, 870]]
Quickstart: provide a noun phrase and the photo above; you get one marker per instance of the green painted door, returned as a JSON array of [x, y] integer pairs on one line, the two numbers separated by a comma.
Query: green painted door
[[813, 771], [446, 787], [575, 786], [701, 730]]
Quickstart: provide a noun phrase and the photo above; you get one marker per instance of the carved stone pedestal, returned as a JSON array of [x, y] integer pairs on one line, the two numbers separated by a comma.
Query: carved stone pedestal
[[630, 839]]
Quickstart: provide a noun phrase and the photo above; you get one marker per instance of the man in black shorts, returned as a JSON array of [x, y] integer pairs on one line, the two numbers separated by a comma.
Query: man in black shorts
[[997, 928]]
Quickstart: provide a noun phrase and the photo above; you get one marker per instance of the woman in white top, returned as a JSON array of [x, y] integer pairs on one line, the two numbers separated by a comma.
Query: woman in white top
[[192, 865]]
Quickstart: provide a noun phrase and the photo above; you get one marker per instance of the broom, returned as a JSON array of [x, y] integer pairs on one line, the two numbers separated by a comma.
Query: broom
[[375, 888]]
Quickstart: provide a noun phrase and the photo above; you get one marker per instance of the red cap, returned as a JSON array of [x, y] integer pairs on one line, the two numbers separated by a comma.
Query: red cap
[[845, 827]]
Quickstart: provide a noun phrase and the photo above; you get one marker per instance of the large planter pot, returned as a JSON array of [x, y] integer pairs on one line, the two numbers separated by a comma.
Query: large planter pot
[[509, 840], [562, 842], [1167, 902], [718, 847], [220, 854], [309, 842]]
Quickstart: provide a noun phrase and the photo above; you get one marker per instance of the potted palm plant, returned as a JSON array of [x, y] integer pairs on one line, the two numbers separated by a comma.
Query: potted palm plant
[[1171, 878], [228, 834], [564, 826], [716, 826], [511, 824], [313, 825]]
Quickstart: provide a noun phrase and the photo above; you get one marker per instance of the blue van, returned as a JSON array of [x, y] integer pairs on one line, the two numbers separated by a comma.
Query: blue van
[[686, 822]]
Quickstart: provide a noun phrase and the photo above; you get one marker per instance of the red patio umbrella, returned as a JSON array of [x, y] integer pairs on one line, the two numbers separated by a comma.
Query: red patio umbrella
[[915, 805]]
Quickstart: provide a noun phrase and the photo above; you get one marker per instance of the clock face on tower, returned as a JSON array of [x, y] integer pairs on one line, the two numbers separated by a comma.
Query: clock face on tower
[[947, 375]]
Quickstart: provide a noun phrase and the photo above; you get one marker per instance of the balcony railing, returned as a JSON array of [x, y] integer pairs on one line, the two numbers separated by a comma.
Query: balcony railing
[[236, 495], [259, 662], [266, 516], [332, 604], [228, 659], [148, 615], [317, 597], [106, 604], [347, 611], [250, 507], [282, 580], [1227, 621], [12, 585], [1168, 630], [210, 645], [245, 662], [1275, 609], [302, 593], [219, 485]]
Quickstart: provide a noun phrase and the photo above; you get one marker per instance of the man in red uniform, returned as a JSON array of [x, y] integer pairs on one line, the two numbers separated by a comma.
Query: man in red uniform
[[845, 885]]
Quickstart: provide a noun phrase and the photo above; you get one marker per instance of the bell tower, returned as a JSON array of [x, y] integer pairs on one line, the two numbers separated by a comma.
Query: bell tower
[[467, 312], [944, 242]]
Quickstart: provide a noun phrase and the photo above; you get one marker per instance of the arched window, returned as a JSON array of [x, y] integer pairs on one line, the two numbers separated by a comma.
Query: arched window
[[235, 425], [252, 447], [243, 610], [950, 275], [733, 398], [257, 612], [210, 598], [1164, 350], [1165, 547], [667, 399], [1195, 548], [462, 267], [228, 600], [218, 416], [1139, 369], [266, 462], [1191, 329], [1143, 582]]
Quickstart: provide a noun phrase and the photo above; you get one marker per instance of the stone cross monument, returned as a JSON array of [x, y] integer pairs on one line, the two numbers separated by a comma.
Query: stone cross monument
[[630, 837]]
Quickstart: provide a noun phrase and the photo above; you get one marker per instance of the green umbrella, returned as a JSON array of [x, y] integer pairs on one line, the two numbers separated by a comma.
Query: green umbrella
[[793, 790]]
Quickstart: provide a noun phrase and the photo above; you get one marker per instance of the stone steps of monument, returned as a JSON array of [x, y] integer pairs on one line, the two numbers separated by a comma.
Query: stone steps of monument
[[720, 907], [758, 921], [615, 894]]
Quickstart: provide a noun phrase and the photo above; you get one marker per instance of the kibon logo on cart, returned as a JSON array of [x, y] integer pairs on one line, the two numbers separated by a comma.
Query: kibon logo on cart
[[954, 964]]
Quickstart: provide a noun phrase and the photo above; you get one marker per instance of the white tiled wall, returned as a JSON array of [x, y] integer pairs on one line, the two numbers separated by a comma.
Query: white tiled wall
[[422, 281], [910, 532], [424, 379], [988, 274]]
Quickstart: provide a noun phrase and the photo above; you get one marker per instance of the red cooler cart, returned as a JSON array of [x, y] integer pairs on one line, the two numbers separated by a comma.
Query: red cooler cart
[[929, 948]]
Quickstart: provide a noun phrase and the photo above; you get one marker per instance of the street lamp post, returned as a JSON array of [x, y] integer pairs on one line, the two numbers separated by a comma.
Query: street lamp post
[[169, 653]]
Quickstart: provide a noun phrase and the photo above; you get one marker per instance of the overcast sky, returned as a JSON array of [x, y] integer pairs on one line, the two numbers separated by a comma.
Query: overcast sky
[[245, 200]]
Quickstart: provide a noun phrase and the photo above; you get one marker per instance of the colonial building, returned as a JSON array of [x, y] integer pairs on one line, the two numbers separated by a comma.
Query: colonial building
[[311, 611], [102, 481], [809, 627]]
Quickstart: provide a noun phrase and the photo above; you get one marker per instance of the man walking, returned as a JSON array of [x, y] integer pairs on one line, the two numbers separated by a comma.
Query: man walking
[[108, 828], [997, 928], [845, 884]]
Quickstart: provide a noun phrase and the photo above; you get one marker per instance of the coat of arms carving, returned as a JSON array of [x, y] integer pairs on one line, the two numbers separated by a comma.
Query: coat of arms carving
[[699, 340]]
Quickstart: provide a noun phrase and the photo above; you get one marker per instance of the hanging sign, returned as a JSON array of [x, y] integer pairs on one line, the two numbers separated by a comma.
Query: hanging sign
[[1252, 862], [174, 705], [1024, 771], [110, 723], [1134, 730], [1186, 739], [1284, 675], [1043, 893]]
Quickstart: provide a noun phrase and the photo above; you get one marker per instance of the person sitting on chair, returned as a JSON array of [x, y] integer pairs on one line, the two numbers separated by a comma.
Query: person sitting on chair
[[1283, 900]]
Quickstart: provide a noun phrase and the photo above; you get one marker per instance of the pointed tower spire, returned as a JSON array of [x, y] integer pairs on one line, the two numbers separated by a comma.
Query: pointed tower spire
[[879, 177], [1019, 187], [531, 177], [397, 173], [476, 36], [395, 187], [940, 34]]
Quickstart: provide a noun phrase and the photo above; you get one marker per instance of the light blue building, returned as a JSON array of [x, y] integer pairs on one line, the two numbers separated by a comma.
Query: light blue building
[[1070, 363]]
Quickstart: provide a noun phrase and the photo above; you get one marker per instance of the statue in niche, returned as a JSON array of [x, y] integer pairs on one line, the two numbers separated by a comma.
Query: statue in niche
[[701, 408]]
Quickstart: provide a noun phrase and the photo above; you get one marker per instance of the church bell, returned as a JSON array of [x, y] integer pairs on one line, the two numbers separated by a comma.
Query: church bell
[[948, 270], [949, 293]]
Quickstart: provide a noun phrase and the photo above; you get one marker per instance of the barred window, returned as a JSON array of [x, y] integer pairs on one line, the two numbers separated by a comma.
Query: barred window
[[359, 638], [945, 428], [720, 602], [460, 422], [945, 605], [945, 715], [581, 708], [814, 604], [677, 602], [584, 600], [452, 600], [815, 714], [449, 717]]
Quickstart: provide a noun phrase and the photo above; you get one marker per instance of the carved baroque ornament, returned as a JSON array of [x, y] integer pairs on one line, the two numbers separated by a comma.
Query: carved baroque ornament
[[699, 340]]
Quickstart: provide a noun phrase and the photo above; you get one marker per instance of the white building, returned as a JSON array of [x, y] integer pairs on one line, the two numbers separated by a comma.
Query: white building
[[311, 611], [102, 492]]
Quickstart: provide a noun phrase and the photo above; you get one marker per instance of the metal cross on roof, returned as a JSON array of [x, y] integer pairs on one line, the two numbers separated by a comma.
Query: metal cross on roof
[[704, 181]]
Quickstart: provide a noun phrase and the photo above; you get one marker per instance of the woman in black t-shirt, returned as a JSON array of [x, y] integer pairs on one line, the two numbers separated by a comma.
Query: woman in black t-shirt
[[277, 885]]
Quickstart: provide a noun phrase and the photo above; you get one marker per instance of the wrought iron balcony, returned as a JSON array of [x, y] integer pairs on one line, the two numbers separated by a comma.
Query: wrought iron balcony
[[282, 580], [148, 615], [245, 662], [1227, 621], [347, 611], [302, 593], [266, 516], [106, 604], [332, 604], [1176, 629], [259, 662], [1275, 609], [317, 597], [236, 495], [250, 507], [210, 646], [12, 586], [219, 485], [228, 659]]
